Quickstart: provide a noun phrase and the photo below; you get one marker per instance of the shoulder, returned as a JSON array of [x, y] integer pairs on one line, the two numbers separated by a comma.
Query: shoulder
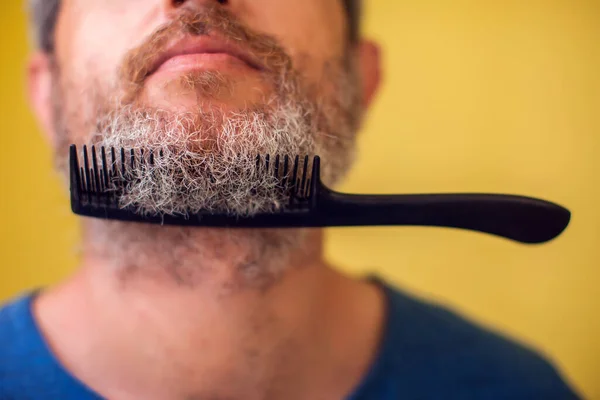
[[28, 369], [442, 349], [16, 325], [18, 342]]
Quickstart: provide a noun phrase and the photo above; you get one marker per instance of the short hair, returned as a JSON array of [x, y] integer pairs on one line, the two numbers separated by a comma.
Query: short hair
[[43, 15]]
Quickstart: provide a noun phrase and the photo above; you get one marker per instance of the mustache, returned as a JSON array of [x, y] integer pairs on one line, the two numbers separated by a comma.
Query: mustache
[[206, 21]]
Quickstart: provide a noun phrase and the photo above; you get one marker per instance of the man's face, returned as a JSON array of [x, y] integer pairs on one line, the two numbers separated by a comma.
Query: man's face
[[95, 37], [209, 81]]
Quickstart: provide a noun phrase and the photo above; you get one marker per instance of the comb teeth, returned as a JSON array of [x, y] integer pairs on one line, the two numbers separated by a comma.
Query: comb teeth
[[298, 188], [100, 179], [104, 169]]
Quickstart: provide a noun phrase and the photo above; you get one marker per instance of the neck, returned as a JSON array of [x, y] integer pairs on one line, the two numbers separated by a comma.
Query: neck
[[209, 313]]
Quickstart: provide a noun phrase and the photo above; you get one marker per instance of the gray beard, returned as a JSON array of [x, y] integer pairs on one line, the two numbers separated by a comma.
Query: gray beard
[[200, 144], [208, 156], [207, 159]]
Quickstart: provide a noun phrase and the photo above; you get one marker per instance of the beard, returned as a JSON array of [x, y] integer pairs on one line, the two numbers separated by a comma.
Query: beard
[[207, 159], [208, 153]]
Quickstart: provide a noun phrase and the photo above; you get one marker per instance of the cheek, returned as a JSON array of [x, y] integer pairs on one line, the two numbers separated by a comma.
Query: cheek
[[311, 31], [95, 38]]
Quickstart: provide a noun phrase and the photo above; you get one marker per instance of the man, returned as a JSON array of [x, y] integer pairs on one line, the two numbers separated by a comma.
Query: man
[[158, 312]]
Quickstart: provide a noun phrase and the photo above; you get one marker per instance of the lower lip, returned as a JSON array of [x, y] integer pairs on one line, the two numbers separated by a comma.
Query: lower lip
[[204, 61]]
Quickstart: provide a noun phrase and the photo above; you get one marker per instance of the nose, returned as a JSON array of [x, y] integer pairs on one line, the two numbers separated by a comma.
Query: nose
[[171, 5]]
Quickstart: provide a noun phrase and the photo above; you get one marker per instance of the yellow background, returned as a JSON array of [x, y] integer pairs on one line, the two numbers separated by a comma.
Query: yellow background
[[500, 96]]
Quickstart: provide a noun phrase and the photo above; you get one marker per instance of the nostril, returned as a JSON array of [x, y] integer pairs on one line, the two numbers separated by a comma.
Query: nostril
[[222, 1]]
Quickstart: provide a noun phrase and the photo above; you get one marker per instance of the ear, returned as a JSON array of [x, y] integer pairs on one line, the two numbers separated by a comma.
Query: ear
[[39, 89], [369, 59]]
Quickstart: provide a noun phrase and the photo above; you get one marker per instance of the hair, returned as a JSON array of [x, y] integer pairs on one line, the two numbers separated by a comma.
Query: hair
[[43, 15]]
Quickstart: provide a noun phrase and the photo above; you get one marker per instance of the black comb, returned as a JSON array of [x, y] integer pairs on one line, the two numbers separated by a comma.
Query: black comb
[[96, 188]]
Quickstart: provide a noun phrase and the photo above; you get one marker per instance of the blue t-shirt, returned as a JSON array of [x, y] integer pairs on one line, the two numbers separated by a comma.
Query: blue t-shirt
[[428, 352]]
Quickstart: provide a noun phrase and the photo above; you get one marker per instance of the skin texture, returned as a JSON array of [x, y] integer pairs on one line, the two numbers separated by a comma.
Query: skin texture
[[173, 313]]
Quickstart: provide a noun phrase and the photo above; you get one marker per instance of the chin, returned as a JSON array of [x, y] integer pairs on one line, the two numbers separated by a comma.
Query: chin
[[180, 104], [205, 89]]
